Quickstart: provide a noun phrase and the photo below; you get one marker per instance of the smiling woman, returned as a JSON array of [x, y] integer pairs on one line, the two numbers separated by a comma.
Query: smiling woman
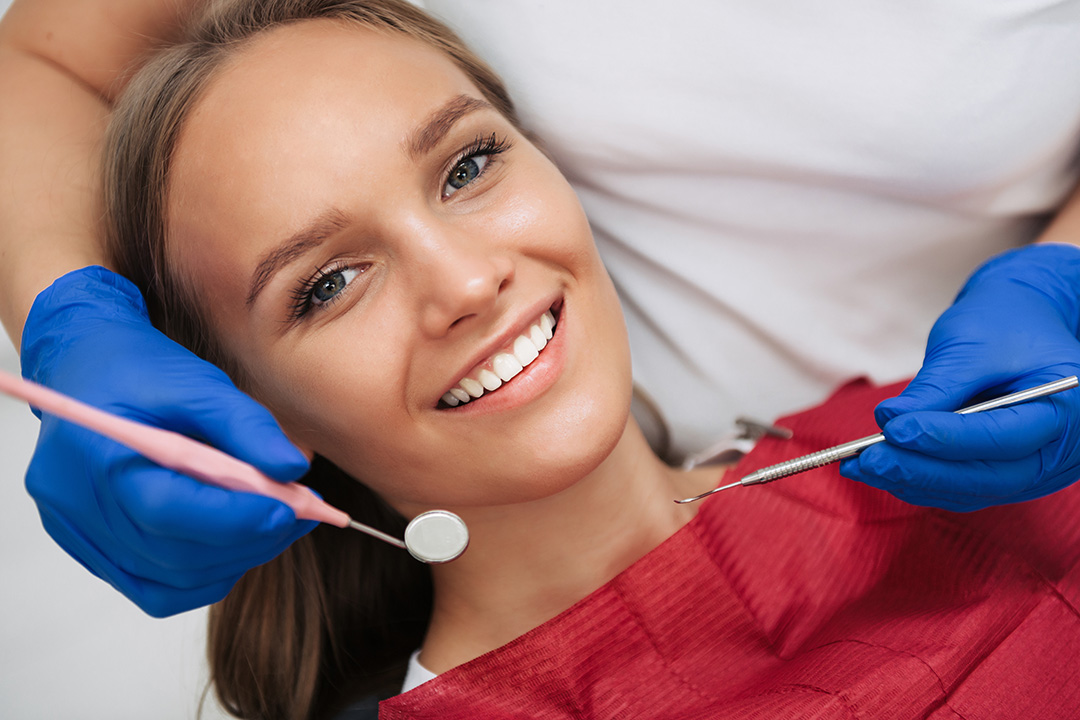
[[334, 201], [440, 251]]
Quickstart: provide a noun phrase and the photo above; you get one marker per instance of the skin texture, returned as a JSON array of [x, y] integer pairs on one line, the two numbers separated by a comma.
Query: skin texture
[[61, 64], [558, 487]]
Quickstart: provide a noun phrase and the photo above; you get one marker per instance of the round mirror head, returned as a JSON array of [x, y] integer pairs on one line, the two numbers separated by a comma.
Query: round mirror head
[[436, 536]]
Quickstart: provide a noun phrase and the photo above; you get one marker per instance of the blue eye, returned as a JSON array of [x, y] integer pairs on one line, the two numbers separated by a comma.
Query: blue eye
[[473, 161], [464, 173], [328, 286], [323, 288]]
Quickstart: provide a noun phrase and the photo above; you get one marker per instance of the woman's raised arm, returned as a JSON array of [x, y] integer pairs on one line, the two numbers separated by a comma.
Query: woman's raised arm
[[61, 63], [166, 541]]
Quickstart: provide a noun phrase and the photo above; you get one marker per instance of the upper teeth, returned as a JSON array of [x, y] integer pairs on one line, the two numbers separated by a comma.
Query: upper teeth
[[504, 365]]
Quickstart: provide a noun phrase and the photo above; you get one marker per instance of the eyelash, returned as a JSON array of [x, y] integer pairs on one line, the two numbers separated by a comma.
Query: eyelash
[[480, 147], [302, 302]]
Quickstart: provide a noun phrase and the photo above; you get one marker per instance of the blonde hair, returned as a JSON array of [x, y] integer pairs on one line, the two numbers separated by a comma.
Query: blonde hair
[[336, 614]]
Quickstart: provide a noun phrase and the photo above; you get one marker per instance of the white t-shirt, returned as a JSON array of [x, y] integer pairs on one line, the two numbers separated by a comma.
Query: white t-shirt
[[416, 674], [788, 194]]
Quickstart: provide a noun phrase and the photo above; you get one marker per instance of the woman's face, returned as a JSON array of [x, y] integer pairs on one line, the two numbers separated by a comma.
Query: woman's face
[[365, 235]]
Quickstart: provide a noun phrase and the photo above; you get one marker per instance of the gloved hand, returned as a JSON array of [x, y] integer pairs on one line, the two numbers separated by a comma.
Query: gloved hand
[[166, 541], [1013, 326]]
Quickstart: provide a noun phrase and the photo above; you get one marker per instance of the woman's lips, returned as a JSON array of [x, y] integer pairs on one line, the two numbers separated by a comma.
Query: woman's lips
[[529, 384], [503, 366]]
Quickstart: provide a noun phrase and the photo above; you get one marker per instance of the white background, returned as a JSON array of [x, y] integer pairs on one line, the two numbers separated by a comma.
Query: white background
[[71, 646]]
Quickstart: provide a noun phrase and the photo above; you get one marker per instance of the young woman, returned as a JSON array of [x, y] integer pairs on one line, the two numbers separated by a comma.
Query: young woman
[[334, 202]]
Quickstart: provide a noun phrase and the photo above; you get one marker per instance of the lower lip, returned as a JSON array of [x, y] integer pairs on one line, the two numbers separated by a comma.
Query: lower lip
[[527, 385]]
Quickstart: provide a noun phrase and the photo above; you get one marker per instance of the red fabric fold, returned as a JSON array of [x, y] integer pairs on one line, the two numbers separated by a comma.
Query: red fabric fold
[[812, 597]]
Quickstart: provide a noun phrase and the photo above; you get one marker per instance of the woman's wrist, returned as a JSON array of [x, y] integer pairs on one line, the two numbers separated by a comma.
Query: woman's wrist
[[79, 298]]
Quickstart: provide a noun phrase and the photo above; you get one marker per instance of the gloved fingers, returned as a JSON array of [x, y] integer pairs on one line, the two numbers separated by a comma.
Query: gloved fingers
[[926, 480], [1008, 433], [88, 336], [216, 412], [930, 497], [931, 389], [76, 545], [157, 501], [182, 532], [165, 504], [161, 601], [136, 576], [137, 521], [186, 566], [155, 599], [952, 504]]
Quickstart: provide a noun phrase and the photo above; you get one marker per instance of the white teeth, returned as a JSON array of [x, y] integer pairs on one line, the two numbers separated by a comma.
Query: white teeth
[[537, 337], [547, 324], [506, 366], [489, 380], [472, 387], [525, 351]]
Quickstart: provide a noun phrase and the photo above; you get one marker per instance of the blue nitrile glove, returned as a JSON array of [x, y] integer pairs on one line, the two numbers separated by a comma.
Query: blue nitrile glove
[[166, 541], [1013, 326]]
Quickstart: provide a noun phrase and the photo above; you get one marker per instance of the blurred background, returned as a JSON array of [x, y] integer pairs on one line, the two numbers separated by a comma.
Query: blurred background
[[71, 646]]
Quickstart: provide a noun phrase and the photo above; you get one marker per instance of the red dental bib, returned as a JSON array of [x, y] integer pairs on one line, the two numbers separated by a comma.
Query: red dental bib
[[812, 597]]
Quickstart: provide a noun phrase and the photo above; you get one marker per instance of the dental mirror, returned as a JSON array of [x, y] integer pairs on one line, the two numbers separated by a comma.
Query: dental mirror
[[436, 536]]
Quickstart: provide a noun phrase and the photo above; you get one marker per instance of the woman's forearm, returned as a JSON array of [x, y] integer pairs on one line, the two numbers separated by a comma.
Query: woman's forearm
[[50, 128], [61, 63]]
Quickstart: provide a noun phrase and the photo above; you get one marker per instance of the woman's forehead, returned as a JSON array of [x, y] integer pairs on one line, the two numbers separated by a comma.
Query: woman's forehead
[[318, 61], [297, 113]]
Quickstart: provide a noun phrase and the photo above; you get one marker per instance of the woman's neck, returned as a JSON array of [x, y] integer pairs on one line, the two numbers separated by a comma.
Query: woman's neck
[[563, 548]]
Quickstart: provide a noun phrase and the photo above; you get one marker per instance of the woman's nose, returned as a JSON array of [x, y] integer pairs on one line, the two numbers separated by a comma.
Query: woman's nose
[[463, 280]]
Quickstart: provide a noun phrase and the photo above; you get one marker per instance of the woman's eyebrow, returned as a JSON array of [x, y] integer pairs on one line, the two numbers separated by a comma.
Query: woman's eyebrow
[[311, 235], [420, 141], [428, 134]]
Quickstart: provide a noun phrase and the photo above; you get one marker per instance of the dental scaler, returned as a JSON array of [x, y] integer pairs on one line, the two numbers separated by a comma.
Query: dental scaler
[[839, 452], [436, 536]]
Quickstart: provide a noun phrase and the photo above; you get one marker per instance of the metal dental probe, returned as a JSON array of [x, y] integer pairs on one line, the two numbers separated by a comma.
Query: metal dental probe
[[839, 452]]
